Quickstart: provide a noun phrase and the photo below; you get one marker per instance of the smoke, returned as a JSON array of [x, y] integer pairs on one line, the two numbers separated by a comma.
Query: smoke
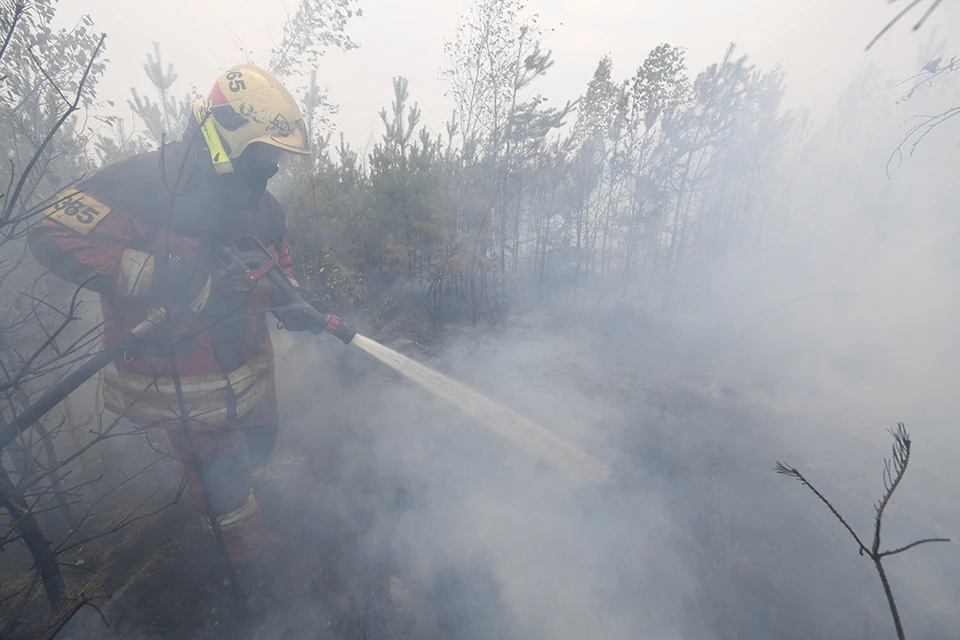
[[853, 308], [399, 516], [484, 541], [805, 350], [695, 537]]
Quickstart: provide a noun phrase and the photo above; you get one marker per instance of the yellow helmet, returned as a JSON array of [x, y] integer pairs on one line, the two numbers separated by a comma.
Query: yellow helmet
[[246, 105]]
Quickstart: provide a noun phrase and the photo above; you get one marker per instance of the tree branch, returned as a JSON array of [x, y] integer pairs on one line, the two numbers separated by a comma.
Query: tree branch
[[19, 9], [46, 75], [910, 7], [12, 200], [891, 478], [894, 552], [794, 473], [894, 469], [43, 557]]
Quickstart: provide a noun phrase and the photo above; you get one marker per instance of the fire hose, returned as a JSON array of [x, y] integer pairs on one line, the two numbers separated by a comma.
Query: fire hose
[[248, 266]]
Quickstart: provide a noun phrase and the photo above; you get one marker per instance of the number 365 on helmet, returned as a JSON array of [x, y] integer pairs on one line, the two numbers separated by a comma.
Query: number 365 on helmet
[[246, 105]]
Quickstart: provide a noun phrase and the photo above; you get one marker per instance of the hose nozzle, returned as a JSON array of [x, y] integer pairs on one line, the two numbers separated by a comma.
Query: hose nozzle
[[339, 329]]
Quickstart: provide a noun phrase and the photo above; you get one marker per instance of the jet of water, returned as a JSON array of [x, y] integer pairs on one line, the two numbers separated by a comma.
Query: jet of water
[[522, 432]]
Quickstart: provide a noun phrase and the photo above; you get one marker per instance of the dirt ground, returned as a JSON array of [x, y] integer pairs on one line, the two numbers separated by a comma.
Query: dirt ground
[[397, 518]]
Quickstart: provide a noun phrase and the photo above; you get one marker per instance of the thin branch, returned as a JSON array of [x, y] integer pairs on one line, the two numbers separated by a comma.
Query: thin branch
[[25, 599], [44, 558], [893, 470], [61, 620], [39, 207], [46, 75], [13, 174], [70, 317], [928, 125], [55, 481], [891, 601], [895, 20], [63, 546], [926, 78], [790, 471], [19, 8], [126, 521], [933, 7], [894, 552], [12, 200]]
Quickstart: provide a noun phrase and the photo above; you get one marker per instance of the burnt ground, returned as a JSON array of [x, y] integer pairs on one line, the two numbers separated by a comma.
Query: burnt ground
[[397, 518]]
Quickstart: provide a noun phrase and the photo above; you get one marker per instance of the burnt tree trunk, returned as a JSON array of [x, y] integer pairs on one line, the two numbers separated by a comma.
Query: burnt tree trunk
[[26, 524]]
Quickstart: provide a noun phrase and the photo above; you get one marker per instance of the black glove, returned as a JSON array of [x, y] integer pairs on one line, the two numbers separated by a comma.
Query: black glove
[[179, 283], [294, 319], [314, 300]]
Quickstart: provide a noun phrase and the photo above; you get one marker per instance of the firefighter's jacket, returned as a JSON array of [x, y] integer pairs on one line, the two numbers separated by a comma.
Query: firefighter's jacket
[[110, 226]]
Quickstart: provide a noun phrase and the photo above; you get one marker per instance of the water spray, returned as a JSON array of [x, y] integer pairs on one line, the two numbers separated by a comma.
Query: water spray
[[519, 431], [256, 263], [522, 432]]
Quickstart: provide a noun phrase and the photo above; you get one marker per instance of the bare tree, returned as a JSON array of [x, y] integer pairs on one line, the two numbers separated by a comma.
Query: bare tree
[[47, 82], [894, 469], [19, 368]]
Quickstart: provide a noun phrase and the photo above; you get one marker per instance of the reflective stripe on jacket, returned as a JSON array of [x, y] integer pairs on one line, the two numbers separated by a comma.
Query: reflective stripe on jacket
[[214, 399]]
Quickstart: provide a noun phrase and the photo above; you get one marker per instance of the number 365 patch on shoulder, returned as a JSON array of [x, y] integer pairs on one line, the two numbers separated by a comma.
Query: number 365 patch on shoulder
[[77, 210]]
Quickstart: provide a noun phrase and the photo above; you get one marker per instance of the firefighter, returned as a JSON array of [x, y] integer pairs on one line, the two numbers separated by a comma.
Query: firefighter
[[144, 234]]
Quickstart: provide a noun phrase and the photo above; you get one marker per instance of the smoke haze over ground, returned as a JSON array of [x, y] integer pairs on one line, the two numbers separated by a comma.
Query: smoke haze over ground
[[694, 539], [829, 319]]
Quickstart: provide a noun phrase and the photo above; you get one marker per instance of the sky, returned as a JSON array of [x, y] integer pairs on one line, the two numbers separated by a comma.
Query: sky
[[819, 43]]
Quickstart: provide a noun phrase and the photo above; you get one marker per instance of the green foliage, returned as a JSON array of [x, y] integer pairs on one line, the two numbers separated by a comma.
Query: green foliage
[[656, 179], [600, 105], [660, 84], [317, 109], [47, 82], [117, 142], [168, 117], [315, 27], [40, 72], [656, 174], [495, 54]]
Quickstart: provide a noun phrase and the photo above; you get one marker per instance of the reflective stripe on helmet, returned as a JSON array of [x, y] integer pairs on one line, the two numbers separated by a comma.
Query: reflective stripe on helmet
[[219, 156]]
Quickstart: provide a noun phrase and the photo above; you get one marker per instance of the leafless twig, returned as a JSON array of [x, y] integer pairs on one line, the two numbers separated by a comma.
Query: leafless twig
[[60, 622], [928, 124], [43, 558], [894, 469], [910, 7]]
